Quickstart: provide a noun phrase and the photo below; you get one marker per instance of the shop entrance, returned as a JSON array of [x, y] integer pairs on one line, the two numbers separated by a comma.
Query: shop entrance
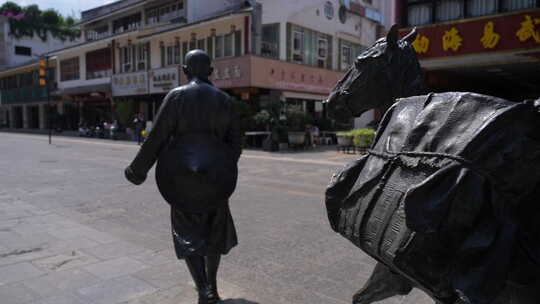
[[17, 117], [33, 117]]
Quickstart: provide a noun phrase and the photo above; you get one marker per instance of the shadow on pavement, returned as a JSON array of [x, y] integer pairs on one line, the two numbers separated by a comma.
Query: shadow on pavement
[[237, 301]]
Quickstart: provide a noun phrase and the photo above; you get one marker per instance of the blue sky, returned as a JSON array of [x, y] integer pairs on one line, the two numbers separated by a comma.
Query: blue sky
[[65, 7]]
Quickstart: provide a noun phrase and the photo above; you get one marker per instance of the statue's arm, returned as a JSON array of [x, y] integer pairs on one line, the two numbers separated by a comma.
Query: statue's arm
[[164, 125], [234, 135]]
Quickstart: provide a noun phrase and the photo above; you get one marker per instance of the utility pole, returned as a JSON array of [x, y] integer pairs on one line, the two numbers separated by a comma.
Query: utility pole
[[44, 81]]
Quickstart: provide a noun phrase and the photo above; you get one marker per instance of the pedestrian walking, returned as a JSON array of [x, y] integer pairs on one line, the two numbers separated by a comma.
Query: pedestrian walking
[[196, 142], [139, 126]]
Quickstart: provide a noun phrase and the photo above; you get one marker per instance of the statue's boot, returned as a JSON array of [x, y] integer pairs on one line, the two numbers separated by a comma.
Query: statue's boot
[[212, 265], [196, 266]]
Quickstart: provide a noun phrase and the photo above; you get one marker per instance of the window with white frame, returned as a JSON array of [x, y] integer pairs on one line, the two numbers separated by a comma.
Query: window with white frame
[[126, 59], [322, 51], [298, 46], [346, 56], [142, 57]]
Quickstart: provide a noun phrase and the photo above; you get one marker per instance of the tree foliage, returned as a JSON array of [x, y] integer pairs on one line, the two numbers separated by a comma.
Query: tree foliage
[[38, 22]]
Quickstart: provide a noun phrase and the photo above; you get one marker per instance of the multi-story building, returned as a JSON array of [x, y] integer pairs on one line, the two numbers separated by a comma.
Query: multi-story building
[[294, 51], [485, 46]]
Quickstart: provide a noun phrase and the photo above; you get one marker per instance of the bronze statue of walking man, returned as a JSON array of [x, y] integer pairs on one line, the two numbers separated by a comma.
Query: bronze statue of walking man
[[196, 143]]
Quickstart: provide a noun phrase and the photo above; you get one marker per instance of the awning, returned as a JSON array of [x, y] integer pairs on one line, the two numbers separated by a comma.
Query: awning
[[97, 88], [297, 95]]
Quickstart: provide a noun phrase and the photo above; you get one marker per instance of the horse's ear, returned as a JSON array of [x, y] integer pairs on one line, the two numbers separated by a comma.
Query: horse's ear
[[392, 37], [411, 37]]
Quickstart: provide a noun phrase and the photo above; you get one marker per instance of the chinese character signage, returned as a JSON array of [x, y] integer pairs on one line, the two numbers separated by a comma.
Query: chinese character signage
[[163, 80], [130, 84], [517, 31]]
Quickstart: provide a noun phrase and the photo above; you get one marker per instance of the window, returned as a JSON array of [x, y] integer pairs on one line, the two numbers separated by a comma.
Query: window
[[512, 5], [238, 43], [184, 49], [449, 10], [170, 59], [126, 59], [298, 46], [419, 14], [270, 41], [346, 56], [200, 44], [481, 7], [192, 44], [322, 51], [69, 69], [142, 57], [219, 46], [23, 51], [162, 53], [228, 45], [98, 64], [210, 47], [177, 53]]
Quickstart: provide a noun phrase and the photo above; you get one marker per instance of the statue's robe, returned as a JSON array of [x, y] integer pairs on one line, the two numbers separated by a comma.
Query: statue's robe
[[197, 143]]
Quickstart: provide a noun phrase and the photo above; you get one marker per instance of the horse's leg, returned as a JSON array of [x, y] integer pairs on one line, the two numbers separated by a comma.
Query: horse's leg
[[382, 284]]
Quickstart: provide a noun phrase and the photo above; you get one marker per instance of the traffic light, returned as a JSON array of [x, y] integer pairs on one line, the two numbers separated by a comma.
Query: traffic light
[[42, 72]]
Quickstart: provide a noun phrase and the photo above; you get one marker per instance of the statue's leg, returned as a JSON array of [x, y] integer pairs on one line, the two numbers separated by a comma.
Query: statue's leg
[[382, 284], [212, 265], [196, 266]]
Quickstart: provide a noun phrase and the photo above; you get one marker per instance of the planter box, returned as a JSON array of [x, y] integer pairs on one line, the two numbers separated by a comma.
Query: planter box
[[344, 141], [297, 138]]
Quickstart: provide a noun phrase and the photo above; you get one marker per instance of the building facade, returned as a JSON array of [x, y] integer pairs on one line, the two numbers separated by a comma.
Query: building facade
[[132, 50], [485, 46]]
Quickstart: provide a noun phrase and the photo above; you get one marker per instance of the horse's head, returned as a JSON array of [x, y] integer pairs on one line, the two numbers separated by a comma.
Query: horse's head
[[385, 71]]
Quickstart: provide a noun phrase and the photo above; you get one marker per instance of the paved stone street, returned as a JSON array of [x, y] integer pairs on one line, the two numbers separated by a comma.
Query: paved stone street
[[74, 231]]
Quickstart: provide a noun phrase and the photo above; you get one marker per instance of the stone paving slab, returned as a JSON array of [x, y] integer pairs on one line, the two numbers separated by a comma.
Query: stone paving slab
[[18, 272], [115, 267], [17, 293], [117, 290]]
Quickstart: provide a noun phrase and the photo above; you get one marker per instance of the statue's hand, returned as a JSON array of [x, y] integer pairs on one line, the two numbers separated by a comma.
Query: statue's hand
[[133, 177]]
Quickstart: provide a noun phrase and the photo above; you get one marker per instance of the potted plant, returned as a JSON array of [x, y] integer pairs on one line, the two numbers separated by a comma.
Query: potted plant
[[297, 120]]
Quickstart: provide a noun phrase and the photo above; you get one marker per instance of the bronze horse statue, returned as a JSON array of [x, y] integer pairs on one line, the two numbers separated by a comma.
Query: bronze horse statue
[[445, 198]]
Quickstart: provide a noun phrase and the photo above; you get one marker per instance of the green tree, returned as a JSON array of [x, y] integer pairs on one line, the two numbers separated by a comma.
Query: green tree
[[37, 22]]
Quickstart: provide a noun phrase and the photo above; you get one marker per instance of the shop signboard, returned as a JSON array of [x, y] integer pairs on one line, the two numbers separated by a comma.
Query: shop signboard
[[500, 33], [129, 84], [163, 80]]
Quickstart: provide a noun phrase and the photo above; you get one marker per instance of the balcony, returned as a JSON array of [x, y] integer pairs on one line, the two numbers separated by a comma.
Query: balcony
[[23, 95], [172, 17], [93, 35]]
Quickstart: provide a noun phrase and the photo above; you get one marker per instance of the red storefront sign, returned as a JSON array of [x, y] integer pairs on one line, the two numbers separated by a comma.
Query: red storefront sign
[[517, 31]]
